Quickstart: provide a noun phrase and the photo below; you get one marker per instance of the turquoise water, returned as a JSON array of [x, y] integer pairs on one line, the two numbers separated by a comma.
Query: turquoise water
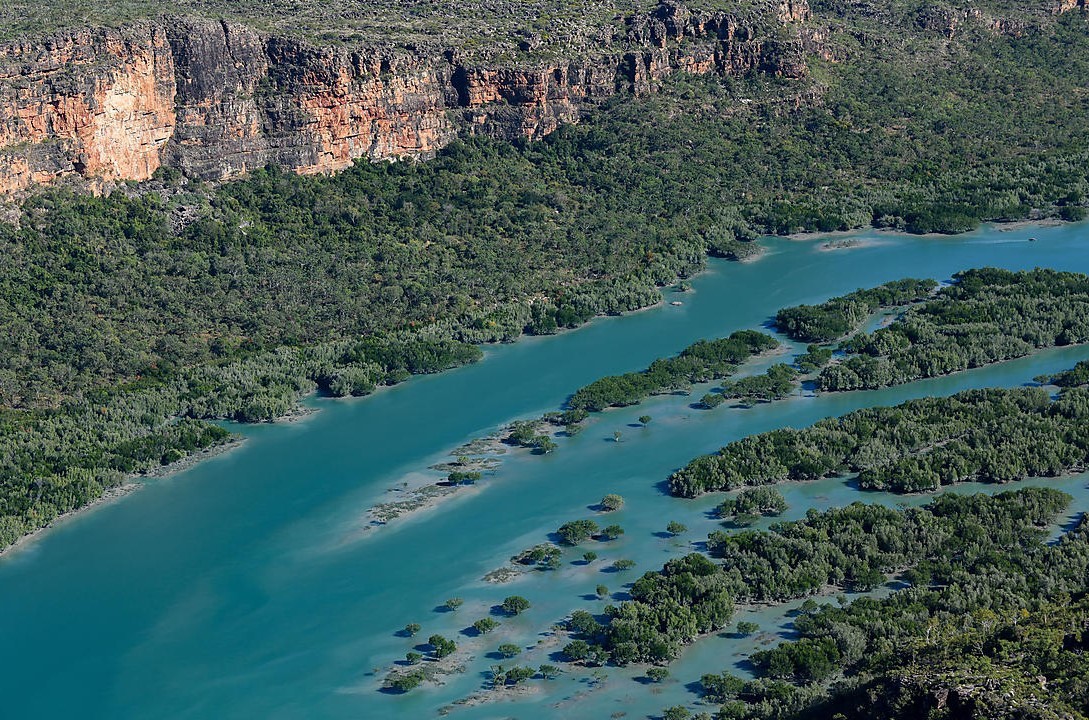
[[242, 587]]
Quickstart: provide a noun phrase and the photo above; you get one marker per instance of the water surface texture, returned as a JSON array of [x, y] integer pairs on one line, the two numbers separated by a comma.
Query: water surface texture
[[243, 587]]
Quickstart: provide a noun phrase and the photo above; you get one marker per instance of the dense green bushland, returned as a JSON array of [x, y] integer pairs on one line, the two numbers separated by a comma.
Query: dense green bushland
[[988, 632], [986, 316], [910, 130], [995, 665], [1016, 664], [986, 435], [701, 361], [53, 460], [1075, 376], [101, 290], [839, 316], [775, 383], [813, 359], [854, 547], [122, 313], [752, 502], [858, 546]]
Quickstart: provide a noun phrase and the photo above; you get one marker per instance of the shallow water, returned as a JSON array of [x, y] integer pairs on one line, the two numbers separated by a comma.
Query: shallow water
[[242, 588]]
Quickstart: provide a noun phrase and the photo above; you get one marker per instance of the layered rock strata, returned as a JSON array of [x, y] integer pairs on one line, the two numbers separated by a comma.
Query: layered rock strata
[[216, 99]]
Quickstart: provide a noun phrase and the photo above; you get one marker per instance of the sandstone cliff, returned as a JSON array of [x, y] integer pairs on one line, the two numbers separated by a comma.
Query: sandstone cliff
[[215, 99]]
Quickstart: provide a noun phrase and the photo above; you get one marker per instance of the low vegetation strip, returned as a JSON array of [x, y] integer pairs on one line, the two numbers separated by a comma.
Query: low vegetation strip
[[990, 435], [702, 361], [839, 316], [986, 316]]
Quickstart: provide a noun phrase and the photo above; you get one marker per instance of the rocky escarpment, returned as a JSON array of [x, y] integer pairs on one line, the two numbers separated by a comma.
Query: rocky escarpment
[[96, 104], [215, 99]]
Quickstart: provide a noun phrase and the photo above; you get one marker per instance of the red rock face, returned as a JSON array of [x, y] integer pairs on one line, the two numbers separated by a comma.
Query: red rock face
[[244, 101], [100, 104], [216, 99]]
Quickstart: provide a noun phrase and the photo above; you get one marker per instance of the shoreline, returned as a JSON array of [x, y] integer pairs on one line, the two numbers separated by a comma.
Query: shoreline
[[408, 501], [1022, 224], [302, 413], [1007, 226], [108, 497], [483, 454], [296, 415], [190, 460], [129, 485]]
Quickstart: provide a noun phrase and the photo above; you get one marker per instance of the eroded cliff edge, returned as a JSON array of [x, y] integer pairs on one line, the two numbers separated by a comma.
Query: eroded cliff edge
[[215, 99]]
